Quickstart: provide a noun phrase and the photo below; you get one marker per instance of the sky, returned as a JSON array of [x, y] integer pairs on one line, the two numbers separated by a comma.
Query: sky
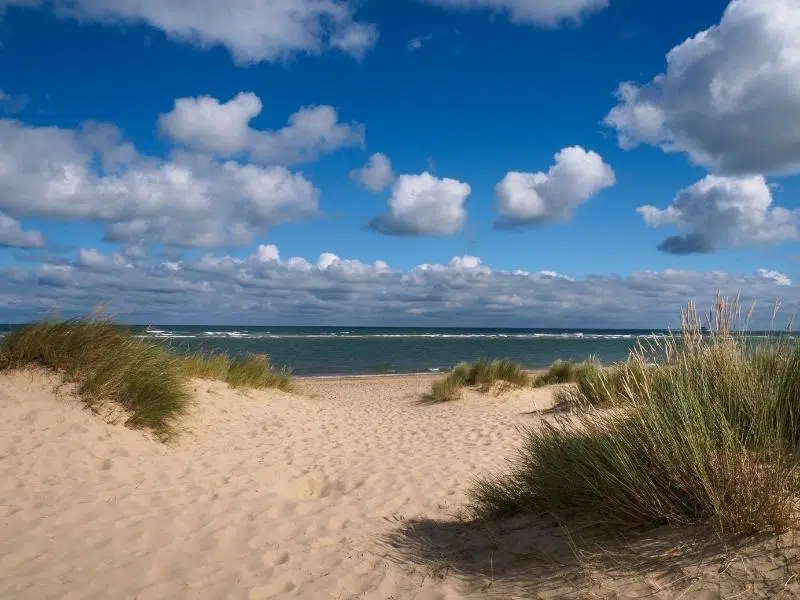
[[513, 163]]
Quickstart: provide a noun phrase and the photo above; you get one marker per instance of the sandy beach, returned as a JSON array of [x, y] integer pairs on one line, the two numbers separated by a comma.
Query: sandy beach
[[264, 495]]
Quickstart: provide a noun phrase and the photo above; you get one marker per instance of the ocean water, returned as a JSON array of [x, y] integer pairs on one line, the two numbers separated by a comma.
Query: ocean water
[[320, 351]]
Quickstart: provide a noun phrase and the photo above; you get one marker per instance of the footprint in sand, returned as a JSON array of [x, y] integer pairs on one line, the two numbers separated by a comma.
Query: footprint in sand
[[314, 486], [275, 558]]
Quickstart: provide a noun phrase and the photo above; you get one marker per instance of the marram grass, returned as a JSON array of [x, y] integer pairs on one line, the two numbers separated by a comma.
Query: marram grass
[[252, 371], [482, 374], [108, 363], [709, 434]]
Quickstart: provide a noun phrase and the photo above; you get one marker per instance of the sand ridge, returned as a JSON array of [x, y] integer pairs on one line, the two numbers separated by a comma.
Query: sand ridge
[[265, 495]]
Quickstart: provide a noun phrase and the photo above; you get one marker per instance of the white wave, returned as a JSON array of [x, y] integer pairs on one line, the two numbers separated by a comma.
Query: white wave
[[444, 336]]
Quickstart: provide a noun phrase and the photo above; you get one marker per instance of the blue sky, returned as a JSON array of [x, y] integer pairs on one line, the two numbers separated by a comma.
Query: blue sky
[[105, 103]]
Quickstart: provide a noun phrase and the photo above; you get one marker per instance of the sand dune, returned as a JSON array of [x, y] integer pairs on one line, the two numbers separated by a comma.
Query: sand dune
[[265, 495]]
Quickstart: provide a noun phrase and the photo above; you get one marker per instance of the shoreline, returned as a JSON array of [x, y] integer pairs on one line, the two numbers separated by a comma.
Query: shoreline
[[379, 376]]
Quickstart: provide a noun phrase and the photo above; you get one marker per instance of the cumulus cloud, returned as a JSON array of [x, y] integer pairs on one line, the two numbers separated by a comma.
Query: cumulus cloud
[[424, 205], [376, 175], [204, 123], [188, 200], [728, 97], [332, 289], [526, 199], [252, 30], [546, 13], [775, 276], [723, 212], [13, 236]]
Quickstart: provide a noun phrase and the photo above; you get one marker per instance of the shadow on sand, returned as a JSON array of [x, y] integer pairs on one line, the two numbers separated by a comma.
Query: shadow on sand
[[527, 557]]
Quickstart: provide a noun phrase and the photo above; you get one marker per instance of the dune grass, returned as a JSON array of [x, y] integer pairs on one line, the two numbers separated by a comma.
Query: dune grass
[[108, 363], [711, 434], [255, 371], [482, 374], [205, 365], [566, 371], [594, 383], [252, 371]]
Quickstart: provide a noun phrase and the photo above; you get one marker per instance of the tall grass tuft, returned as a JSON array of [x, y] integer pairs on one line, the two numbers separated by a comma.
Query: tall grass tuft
[[710, 433], [252, 371], [566, 371], [205, 366], [482, 374], [107, 363], [594, 384], [255, 371]]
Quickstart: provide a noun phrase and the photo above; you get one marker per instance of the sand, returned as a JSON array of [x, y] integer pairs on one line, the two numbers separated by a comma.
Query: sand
[[348, 488]]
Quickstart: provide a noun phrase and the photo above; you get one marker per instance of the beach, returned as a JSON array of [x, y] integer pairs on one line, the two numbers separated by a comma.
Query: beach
[[265, 494], [319, 493]]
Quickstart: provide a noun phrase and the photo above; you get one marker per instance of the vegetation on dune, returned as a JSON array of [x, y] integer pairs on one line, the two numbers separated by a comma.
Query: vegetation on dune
[[255, 371], [566, 371], [108, 363], [594, 384], [710, 433], [252, 371], [482, 374], [205, 366]]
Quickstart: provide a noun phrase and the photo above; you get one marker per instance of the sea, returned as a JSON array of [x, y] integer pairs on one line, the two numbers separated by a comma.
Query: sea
[[332, 351]]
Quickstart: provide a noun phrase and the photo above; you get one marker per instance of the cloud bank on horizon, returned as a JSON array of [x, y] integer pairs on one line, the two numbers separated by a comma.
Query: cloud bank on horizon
[[335, 290], [180, 205]]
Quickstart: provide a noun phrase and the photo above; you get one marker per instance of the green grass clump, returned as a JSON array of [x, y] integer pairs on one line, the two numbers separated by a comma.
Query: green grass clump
[[107, 363], [709, 434], [444, 390], [482, 374], [595, 384], [255, 371], [252, 371], [566, 371], [206, 366]]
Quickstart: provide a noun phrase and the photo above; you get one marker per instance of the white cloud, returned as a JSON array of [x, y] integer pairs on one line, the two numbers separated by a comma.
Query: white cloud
[[424, 205], [525, 199], [775, 276], [377, 174], [268, 253], [723, 212], [207, 124], [546, 13], [332, 289], [13, 236], [252, 30], [90, 258], [189, 201], [728, 98], [204, 123]]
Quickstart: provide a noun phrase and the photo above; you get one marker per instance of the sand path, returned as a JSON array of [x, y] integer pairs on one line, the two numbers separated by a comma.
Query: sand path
[[267, 495]]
